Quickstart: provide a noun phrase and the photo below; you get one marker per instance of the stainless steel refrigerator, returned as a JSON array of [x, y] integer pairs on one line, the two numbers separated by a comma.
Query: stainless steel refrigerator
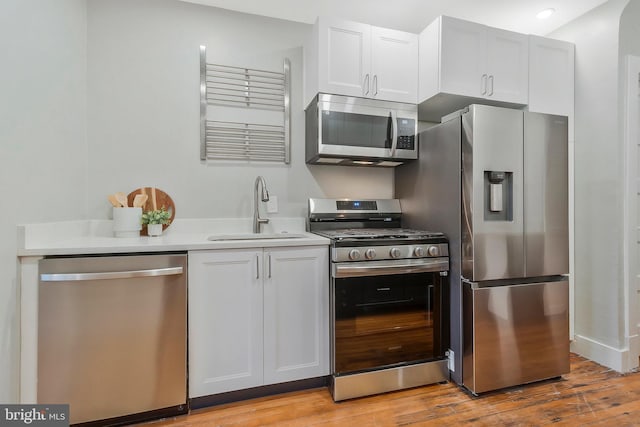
[[495, 180]]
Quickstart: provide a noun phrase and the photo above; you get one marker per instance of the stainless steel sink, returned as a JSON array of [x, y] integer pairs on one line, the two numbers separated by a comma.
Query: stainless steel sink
[[255, 236]]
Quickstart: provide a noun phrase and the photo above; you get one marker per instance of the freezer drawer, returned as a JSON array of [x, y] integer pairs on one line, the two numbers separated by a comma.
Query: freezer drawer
[[515, 334]]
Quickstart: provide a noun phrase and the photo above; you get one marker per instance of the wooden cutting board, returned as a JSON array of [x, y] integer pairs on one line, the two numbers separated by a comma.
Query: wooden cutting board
[[157, 199]]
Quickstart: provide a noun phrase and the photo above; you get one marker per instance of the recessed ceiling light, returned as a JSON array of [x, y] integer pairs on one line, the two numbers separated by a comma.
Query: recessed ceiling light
[[544, 14]]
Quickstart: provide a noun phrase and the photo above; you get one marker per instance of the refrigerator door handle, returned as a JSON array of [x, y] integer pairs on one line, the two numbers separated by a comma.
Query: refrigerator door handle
[[473, 285], [483, 84]]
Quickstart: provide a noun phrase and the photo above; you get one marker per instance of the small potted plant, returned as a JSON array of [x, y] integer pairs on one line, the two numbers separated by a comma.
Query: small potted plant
[[155, 220]]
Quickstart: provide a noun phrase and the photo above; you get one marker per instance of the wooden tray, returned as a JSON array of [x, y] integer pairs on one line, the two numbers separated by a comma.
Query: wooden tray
[[157, 199]]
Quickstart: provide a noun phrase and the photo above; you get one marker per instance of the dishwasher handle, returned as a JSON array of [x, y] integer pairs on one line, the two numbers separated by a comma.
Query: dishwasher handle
[[78, 277]]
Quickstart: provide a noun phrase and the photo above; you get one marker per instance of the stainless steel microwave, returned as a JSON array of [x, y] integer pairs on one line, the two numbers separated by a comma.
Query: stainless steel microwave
[[342, 130]]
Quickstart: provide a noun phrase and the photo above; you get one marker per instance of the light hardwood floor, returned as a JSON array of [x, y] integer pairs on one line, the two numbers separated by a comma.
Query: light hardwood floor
[[591, 395]]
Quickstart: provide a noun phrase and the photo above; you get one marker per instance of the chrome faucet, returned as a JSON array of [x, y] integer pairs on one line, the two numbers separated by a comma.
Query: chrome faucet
[[256, 208]]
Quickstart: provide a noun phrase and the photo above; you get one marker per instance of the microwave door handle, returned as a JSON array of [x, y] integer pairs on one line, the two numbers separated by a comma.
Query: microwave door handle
[[394, 134]]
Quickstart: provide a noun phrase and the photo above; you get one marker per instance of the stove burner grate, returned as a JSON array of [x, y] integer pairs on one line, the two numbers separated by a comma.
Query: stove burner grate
[[378, 233]]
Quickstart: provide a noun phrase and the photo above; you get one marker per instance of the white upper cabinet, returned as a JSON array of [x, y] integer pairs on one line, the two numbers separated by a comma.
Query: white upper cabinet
[[463, 62], [354, 59], [394, 65], [551, 76], [462, 67], [345, 58], [507, 66]]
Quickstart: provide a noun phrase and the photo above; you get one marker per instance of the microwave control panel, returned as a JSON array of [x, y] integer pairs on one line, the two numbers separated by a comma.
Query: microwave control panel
[[406, 134]]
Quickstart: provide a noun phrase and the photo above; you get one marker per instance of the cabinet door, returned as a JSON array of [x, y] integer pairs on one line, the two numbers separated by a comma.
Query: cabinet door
[[296, 314], [345, 57], [507, 66], [463, 58], [551, 65], [225, 321], [394, 65]]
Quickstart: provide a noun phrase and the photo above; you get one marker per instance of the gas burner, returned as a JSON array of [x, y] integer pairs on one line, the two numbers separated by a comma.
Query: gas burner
[[375, 235], [378, 233]]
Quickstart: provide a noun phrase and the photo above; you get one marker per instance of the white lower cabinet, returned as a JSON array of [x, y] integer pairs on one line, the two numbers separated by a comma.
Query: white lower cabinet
[[257, 317], [225, 321]]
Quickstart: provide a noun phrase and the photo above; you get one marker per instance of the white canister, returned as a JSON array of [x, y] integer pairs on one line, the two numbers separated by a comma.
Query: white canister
[[127, 222]]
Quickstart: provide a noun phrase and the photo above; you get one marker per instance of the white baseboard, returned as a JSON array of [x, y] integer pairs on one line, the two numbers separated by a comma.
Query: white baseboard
[[634, 352], [621, 360]]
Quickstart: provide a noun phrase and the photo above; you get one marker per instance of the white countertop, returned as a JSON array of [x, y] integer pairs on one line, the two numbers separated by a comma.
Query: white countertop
[[96, 237]]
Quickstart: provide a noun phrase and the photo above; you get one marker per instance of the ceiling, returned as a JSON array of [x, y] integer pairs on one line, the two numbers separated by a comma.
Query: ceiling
[[414, 15]]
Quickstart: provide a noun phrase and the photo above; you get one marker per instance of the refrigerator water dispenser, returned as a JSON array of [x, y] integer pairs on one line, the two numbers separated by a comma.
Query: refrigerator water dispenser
[[498, 188]]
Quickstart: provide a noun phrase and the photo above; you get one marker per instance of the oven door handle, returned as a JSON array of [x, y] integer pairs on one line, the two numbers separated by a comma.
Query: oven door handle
[[379, 268]]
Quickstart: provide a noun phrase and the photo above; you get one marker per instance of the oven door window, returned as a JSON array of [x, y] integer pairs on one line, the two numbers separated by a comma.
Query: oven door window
[[382, 321]]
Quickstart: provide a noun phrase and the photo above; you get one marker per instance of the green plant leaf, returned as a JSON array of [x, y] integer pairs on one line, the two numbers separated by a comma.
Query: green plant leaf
[[160, 216]]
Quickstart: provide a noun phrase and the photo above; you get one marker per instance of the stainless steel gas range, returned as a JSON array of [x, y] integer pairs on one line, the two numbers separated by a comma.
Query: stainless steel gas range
[[389, 294]]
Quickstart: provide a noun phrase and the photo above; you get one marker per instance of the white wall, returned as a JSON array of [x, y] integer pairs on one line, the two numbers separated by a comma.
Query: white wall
[[89, 87], [599, 184], [630, 29], [630, 123], [42, 139], [143, 92]]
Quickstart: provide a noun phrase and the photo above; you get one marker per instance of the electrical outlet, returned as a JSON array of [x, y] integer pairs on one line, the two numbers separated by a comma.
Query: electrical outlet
[[452, 366], [272, 204]]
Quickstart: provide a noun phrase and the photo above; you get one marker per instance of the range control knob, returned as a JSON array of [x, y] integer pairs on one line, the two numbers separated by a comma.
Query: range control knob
[[370, 253], [394, 252], [354, 254], [433, 251], [419, 251]]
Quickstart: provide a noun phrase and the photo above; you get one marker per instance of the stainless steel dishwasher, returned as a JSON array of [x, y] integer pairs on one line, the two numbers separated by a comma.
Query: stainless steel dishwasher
[[112, 333]]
